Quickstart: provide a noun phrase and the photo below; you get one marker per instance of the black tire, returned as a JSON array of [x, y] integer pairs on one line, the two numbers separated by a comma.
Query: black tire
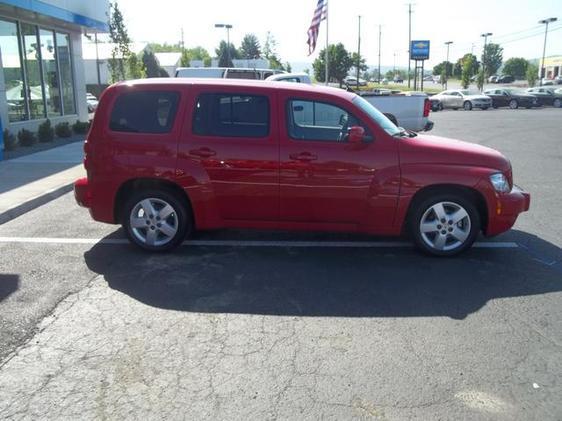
[[513, 104], [467, 105], [423, 206], [440, 107], [557, 103], [181, 218]]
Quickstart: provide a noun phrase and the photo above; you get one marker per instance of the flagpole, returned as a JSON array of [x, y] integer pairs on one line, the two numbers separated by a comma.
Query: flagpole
[[326, 59]]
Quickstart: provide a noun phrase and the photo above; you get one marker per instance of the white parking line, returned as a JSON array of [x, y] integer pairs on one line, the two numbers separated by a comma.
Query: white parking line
[[247, 243]]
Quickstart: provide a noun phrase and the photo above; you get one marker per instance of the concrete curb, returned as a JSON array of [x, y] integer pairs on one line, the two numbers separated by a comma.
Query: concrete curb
[[35, 202]]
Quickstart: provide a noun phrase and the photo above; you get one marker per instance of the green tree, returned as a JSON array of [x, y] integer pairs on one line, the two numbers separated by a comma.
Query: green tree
[[358, 60], [339, 63], [135, 67], [516, 67], [123, 64], [288, 67], [492, 58], [164, 48], [151, 65], [457, 68], [467, 69], [223, 56], [389, 75], [185, 59], [438, 69], [532, 74], [480, 79], [250, 47]]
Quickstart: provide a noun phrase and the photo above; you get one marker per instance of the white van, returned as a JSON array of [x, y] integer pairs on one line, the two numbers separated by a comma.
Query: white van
[[226, 72]]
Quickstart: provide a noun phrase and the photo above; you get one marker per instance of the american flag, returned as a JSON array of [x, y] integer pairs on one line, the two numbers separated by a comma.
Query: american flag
[[320, 14]]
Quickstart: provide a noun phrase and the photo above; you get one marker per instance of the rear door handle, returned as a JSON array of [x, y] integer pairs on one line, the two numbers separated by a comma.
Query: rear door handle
[[303, 156], [202, 152]]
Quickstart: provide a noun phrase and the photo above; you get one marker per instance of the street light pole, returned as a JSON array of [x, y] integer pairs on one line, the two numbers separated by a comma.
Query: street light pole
[[228, 28], [447, 63], [485, 35], [409, 39], [358, 51], [545, 22], [379, 70]]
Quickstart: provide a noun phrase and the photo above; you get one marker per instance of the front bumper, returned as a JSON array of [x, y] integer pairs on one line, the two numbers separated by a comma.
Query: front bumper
[[83, 193], [508, 206]]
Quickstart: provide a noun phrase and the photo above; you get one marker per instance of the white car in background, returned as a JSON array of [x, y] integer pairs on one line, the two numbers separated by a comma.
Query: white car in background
[[92, 102], [463, 98], [291, 77]]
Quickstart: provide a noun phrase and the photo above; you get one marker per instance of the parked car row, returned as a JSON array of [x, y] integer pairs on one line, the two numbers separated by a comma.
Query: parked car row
[[497, 97]]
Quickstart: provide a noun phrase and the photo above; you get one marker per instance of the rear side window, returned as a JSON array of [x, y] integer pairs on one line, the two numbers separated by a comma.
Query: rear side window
[[229, 115], [144, 112]]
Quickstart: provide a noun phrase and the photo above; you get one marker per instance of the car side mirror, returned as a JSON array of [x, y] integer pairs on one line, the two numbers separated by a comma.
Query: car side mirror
[[356, 134]]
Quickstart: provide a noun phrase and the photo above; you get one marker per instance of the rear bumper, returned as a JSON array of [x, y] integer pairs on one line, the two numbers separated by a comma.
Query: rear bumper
[[83, 193], [507, 209], [428, 126]]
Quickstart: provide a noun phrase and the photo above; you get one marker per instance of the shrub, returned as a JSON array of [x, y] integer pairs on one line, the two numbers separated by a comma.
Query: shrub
[[63, 130], [10, 141], [46, 133], [26, 138], [80, 127]]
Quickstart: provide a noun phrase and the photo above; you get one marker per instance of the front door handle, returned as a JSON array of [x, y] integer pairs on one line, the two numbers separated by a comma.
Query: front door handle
[[202, 152], [303, 156]]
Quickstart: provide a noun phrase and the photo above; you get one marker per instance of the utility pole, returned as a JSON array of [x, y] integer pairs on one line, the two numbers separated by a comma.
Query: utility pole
[[447, 63], [485, 35], [358, 51], [409, 38], [182, 41], [543, 69], [379, 71]]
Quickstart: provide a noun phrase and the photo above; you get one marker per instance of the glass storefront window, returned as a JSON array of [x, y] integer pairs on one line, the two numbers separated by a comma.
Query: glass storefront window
[[65, 66], [37, 69], [13, 75], [31, 60], [50, 73]]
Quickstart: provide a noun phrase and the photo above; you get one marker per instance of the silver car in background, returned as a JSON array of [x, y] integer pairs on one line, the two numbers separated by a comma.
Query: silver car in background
[[463, 98]]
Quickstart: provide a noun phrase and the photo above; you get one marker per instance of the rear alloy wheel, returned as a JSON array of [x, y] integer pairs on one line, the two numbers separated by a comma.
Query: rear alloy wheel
[[513, 104], [467, 105], [557, 103], [156, 220], [445, 225]]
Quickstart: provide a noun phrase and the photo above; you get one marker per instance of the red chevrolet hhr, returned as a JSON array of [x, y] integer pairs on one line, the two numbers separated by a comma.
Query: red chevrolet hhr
[[165, 157]]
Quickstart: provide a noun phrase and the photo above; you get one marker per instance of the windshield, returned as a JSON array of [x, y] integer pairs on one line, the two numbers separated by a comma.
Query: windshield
[[378, 117]]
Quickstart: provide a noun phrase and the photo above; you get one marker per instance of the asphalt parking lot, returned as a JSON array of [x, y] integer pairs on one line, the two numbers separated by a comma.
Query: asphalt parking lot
[[332, 326]]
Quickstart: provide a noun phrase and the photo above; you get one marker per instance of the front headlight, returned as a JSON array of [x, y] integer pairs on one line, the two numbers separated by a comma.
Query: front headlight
[[500, 183]]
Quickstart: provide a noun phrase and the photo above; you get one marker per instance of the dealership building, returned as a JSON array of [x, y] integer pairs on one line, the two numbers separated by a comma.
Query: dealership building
[[41, 64]]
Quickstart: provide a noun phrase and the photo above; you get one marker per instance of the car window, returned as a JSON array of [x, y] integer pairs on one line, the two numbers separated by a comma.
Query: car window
[[312, 120], [229, 115], [144, 112]]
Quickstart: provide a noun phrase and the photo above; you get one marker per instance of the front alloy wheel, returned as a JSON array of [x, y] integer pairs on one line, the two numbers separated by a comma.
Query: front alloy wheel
[[468, 105], [446, 225], [557, 103], [513, 104]]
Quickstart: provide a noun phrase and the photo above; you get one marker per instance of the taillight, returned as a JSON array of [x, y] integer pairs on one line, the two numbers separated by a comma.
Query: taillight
[[426, 107]]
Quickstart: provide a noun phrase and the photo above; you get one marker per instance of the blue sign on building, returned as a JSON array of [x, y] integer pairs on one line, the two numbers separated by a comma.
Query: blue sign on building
[[419, 50]]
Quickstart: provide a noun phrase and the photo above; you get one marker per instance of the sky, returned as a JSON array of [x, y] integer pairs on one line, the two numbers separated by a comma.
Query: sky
[[514, 24]]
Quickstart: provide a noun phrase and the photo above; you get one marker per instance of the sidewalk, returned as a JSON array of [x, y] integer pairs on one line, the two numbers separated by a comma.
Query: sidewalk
[[33, 180]]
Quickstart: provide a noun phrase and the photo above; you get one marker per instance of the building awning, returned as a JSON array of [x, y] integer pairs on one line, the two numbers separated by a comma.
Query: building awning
[[69, 15]]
